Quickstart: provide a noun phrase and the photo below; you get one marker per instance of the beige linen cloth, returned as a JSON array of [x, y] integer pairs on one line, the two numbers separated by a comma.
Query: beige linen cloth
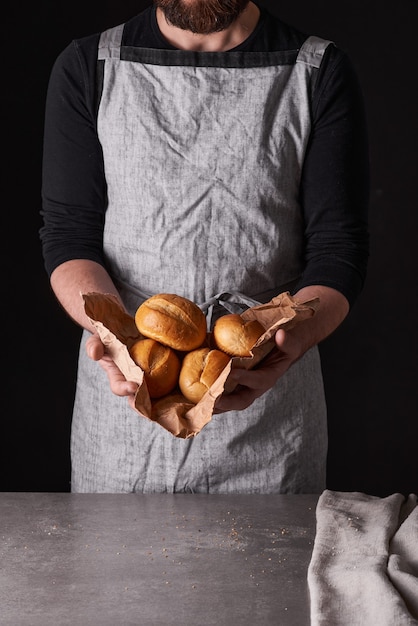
[[364, 564]]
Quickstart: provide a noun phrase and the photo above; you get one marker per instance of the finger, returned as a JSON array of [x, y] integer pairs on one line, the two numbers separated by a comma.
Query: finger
[[248, 378], [236, 401], [286, 342], [117, 381], [261, 378], [281, 337], [94, 348]]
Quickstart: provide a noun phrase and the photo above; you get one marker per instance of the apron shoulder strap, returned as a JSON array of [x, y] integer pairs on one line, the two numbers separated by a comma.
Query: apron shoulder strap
[[312, 51], [109, 48], [110, 43]]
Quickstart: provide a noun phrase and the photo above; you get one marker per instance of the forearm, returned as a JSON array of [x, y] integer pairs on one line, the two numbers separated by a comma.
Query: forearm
[[332, 309], [73, 278]]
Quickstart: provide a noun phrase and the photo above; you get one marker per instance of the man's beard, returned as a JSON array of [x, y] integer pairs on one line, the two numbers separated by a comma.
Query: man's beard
[[201, 17]]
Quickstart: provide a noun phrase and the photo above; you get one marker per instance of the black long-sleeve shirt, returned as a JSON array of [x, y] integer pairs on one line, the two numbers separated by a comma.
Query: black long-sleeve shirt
[[334, 186]]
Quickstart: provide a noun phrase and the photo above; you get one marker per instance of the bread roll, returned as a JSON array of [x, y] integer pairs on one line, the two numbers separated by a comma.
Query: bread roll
[[235, 336], [160, 364], [199, 370], [173, 321]]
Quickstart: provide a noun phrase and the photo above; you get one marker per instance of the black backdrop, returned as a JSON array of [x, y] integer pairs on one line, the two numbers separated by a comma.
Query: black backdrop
[[369, 364]]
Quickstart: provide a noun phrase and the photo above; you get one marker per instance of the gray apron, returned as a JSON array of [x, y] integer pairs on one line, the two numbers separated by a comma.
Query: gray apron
[[203, 156]]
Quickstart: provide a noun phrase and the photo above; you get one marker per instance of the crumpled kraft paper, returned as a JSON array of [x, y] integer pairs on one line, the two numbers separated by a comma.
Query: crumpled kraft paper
[[118, 332]]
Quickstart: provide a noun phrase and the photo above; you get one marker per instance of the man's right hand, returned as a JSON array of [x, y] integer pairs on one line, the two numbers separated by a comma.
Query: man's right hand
[[117, 381]]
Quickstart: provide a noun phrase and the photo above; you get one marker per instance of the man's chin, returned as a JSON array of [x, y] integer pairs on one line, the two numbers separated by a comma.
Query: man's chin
[[201, 17]]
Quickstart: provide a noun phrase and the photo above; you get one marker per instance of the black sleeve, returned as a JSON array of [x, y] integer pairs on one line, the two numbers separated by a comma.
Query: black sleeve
[[335, 182], [73, 181]]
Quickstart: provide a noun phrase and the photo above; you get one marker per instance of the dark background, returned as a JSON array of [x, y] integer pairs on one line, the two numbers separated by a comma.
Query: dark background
[[369, 364]]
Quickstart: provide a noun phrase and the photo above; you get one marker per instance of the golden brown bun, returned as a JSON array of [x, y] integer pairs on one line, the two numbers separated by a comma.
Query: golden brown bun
[[160, 364], [235, 336], [172, 320], [199, 371]]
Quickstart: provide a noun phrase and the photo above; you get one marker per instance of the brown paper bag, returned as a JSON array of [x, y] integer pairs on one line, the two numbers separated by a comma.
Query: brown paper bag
[[118, 332]]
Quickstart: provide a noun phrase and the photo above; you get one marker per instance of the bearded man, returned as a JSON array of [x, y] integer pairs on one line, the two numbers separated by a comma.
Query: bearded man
[[206, 148]]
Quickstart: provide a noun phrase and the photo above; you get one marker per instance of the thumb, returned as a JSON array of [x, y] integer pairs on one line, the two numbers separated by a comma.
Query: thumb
[[281, 339], [94, 348], [289, 344]]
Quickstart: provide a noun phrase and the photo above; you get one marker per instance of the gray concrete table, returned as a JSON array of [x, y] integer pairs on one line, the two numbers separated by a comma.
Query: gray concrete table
[[160, 559]]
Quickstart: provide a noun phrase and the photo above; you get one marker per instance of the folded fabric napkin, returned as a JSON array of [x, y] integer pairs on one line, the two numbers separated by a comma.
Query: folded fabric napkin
[[364, 564]]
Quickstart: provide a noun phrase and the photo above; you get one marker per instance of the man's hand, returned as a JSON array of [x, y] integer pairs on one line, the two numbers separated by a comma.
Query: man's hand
[[117, 381], [290, 346], [252, 384]]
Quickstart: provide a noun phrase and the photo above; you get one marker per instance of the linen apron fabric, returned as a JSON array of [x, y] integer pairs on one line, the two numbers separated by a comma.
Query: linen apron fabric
[[203, 155]]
